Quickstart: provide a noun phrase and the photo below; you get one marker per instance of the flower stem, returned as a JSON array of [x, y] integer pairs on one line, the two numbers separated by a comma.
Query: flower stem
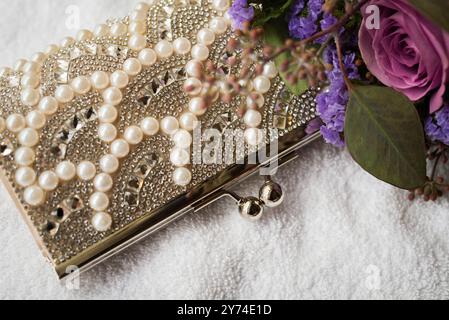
[[340, 61]]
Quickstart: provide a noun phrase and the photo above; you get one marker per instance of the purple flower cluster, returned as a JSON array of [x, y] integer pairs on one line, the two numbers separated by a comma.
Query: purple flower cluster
[[437, 125], [303, 18], [240, 13]]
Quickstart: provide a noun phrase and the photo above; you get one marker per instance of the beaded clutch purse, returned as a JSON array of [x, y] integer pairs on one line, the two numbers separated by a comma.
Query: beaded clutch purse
[[102, 144]]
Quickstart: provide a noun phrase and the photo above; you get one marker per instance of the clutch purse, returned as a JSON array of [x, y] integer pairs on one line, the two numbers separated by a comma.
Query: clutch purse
[[105, 139]]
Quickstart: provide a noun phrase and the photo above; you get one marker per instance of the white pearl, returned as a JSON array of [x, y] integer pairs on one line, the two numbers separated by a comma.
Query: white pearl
[[109, 163], [198, 106], [52, 49], [119, 79], [66, 170], [270, 70], [252, 118], [15, 123], [103, 182], [255, 100], [164, 49], [67, 42], [137, 42], [188, 121], [182, 46], [113, 96], [34, 195], [84, 35], [218, 25], [64, 93], [118, 29], [101, 30], [262, 84], [48, 105], [149, 126], [147, 57], [182, 177], [99, 80], [30, 80], [107, 132], [253, 136], [18, 66], [179, 157], [102, 221], [81, 85], [99, 201], [182, 139], [138, 15], [30, 67], [35, 119], [133, 135], [137, 27], [86, 170], [120, 148], [220, 5], [48, 181], [5, 71], [200, 52], [132, 66], [107, 114], [30, 97], [25, 176], [206, 36], [2, 125], [28, 137], [193, 86], [169, 125], [194, 68], [24, 156]]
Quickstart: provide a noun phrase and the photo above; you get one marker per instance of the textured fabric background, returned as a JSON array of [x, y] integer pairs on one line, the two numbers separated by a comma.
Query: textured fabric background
[[340, 234]]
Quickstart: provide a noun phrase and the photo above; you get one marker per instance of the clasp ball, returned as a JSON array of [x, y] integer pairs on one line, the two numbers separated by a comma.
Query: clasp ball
[[271, 194], [251, 208]]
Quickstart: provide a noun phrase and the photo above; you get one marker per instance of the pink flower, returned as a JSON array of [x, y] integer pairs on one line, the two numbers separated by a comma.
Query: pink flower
[[407, 52]]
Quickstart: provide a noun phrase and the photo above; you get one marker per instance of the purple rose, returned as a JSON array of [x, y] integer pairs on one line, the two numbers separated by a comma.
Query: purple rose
[[407, 52]]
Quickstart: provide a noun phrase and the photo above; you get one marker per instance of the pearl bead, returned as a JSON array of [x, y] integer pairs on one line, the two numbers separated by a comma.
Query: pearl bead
[[206, 36], [262, 84], [137, 42], [107, 114], [120, 148], [220, 5], [52, 49], [30, 97], [24, 156], [137, 27], [99, 80], [84, 35], [188, 121], [218, 25], [255, 100], [102, 221], [109, 163], [34, 195], [182, 139], [48, 105], [107, 132], [48, 181], [113, 96], [64, 93], [30, 67], [193, 86], [149, 126], [194, 68], [67, 42], [200, 52], [30, 80], [147, 57], [132, 66], [101, 30], [198, 106], [119, 79], [36, 119], [252, 118], [182, 46], [18, 66], [25, 176], [66, 170], [86, 170], [2, 125], [169, 125], [182, 177], [138, 15], [164, 49], [81, 85], [103, 182], [253, 136], [4, 71], [133, 135], [270, 70], [15, 123], [179, 157], [118, 29], [28, 137], [99, 201]]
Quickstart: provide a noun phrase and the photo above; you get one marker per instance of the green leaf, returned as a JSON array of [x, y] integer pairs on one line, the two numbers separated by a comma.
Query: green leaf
[[275, 35], [385, 136], [435, 10]]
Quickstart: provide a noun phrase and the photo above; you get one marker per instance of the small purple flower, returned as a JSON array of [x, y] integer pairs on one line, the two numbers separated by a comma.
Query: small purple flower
[[303, 26], [240, 13], [437, 125]]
